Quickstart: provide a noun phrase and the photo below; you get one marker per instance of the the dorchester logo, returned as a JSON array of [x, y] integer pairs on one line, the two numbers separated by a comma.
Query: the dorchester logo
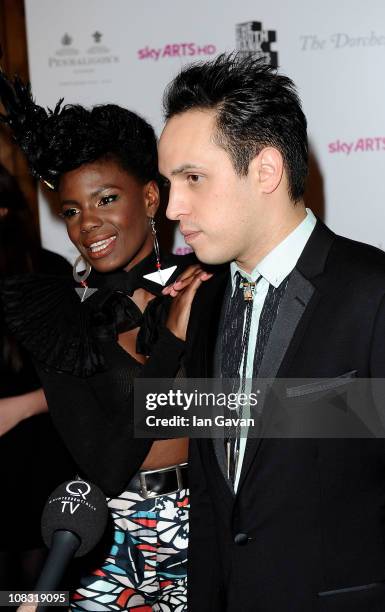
[[342, 41]]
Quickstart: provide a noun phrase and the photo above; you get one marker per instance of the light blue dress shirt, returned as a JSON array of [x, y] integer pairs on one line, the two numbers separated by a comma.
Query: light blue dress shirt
[[273, 269]]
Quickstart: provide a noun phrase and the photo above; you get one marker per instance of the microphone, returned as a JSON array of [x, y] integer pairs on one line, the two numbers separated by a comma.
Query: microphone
[[73, 521]]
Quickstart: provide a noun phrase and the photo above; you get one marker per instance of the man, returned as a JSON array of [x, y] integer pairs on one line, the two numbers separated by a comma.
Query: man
[[277, 525]]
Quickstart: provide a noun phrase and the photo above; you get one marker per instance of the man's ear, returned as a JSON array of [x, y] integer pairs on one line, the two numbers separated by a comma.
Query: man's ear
[[3, 211], [268, 168], [151, 198]]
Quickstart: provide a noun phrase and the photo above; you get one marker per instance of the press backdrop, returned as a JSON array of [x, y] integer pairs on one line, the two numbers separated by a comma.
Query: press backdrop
[[124, 51]]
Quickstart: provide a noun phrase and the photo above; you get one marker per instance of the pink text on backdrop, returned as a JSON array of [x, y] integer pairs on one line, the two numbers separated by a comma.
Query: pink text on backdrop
[[176, 50], [360, 145]]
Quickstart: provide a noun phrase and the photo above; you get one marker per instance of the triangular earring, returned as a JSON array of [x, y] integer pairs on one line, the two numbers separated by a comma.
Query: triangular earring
[[84, 291], [160, 276]]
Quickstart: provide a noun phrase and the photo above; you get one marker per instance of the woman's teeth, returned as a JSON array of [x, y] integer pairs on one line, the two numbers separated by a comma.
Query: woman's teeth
[[102, 244]]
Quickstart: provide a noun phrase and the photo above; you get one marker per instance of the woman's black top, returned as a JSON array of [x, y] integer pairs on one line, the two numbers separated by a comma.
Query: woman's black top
[[87, 376]]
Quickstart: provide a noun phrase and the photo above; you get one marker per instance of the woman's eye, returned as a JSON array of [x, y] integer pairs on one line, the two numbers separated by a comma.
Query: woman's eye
[[69, 212], [108, 200]]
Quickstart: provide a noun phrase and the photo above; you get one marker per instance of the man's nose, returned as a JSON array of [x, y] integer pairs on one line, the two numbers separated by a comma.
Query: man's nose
[[177, 205]]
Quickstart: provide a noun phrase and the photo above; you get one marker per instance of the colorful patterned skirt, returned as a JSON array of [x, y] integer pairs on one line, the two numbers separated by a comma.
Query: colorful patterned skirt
[[146, 568]]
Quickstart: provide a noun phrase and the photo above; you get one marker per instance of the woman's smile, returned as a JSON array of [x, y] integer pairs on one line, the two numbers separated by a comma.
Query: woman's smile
[[101, 248]]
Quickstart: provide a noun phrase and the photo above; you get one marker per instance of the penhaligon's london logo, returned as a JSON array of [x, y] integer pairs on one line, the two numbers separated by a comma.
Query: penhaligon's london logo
[[70, 56]]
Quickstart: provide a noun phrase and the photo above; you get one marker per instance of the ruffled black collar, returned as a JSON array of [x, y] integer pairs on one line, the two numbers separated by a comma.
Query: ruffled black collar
[[46, 315]]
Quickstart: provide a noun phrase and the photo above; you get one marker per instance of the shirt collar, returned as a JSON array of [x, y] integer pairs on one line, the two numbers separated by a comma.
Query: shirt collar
[[278, 264]]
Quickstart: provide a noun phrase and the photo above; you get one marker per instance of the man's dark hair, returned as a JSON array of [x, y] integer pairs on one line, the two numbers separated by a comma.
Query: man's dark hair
[[61, 140], [255, 107]]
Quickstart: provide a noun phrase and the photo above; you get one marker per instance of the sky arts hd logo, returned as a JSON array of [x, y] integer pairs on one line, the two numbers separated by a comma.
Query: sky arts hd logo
[[176, 50], [252, 39]]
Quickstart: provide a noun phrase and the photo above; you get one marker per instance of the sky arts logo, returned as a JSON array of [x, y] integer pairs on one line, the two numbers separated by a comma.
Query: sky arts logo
[[361, 145], [176, 50], [252, 39]]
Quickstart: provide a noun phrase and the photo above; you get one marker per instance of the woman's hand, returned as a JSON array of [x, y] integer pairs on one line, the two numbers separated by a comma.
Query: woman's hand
[[183, 291]]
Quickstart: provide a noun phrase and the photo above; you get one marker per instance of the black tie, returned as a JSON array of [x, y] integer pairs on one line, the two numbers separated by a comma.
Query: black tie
[[236, 329], [236, 332]]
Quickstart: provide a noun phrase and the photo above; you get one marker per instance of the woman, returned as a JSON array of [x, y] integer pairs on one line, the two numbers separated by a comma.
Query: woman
[[21, 549], [90, 345]]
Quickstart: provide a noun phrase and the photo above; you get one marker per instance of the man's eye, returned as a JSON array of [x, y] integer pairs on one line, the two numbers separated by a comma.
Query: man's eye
[[165, 182], [193, 178], [108, 200], [69, 212]]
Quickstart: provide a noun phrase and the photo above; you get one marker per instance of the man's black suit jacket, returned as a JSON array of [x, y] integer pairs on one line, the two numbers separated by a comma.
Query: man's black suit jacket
[[312, 510]]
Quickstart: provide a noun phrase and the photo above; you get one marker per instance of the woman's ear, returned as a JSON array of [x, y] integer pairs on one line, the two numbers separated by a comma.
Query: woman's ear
[[151, 198]]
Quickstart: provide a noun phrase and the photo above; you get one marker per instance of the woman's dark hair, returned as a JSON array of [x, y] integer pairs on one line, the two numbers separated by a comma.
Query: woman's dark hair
[[255, 107], [57, 141]]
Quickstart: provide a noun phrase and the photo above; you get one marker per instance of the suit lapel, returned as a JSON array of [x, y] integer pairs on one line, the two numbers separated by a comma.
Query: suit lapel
[[294, 303], [292, 307], [300, 298], [297, 296]]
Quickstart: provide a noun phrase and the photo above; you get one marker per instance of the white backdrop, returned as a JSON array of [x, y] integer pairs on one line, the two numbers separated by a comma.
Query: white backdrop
[[97, 51]]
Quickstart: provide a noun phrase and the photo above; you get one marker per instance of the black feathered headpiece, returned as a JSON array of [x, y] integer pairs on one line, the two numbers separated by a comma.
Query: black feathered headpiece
[[28, 121], [60, 140]]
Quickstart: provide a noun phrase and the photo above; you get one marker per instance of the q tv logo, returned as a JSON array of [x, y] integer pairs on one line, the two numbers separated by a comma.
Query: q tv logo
[[76, 488]]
